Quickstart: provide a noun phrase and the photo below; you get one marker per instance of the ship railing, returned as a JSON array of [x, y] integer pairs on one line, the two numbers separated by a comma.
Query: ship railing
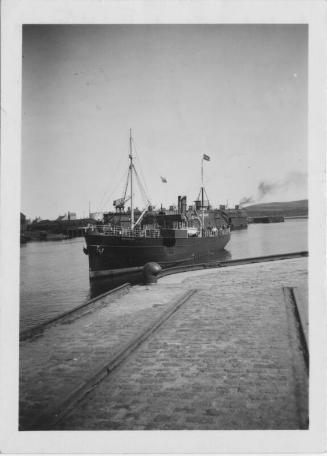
[[225, 231], [110, 230], [216, 232]]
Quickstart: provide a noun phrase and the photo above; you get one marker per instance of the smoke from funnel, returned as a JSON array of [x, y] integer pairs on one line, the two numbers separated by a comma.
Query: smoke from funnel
[[246, 200], [293, 180], [264, 188]]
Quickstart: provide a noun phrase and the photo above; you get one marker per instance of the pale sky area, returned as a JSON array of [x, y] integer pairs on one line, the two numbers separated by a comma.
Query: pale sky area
[[237, 93]]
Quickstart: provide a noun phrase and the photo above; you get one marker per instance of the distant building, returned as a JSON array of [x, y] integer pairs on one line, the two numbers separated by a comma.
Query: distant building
[[68, 216]]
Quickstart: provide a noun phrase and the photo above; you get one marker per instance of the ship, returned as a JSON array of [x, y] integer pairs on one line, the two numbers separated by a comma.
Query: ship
[[131, 238], [238, 219]]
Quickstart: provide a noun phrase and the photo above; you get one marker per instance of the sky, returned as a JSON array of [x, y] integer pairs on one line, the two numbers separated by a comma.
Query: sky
[[237, 93]]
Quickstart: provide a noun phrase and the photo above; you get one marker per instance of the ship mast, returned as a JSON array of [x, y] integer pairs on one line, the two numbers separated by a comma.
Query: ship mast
[[202, 198], [131, 176]]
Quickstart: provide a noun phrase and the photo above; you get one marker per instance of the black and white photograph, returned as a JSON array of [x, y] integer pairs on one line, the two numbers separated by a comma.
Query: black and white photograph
[[163, 246]]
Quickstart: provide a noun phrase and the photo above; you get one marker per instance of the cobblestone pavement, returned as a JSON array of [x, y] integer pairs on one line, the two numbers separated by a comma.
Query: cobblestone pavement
[[229, 358], [67, 354]]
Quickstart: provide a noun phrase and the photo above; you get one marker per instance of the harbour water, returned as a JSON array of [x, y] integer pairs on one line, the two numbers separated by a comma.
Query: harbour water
[[54, 274]]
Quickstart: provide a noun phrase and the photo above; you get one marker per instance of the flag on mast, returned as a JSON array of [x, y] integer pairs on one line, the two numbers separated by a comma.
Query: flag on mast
[[206, 157], [163, 179]]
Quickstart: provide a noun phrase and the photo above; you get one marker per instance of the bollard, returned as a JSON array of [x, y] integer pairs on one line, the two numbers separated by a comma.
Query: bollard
[[150, 272]]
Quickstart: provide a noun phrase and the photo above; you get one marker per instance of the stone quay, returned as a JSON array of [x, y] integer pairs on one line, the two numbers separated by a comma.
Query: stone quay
[[218, 349]]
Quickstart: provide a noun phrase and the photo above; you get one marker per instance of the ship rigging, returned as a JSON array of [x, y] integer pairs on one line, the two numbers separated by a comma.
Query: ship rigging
[[133, 238], [119, 204]]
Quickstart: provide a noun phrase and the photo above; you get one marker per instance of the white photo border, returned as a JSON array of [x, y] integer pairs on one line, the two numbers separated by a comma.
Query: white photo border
[[15, 13]]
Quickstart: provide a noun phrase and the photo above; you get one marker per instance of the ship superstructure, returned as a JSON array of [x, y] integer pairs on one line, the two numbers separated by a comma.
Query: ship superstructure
[[132, 237]]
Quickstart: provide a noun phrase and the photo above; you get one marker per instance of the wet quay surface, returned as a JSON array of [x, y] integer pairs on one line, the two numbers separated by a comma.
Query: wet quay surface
[[228, 358]]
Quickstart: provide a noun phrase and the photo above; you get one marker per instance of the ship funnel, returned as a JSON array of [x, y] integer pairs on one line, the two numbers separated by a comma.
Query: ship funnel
[[183, 205]]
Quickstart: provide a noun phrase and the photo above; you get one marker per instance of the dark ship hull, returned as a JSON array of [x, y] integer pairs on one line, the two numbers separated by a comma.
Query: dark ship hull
[[109, 253]]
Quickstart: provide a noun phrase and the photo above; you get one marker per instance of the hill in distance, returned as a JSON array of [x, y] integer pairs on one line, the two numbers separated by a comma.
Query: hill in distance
[[287, 209]]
